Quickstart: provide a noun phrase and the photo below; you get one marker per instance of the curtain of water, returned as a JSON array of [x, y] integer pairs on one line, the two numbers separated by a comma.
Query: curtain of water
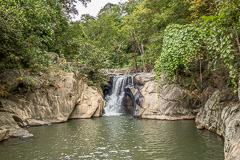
[[114, 100]]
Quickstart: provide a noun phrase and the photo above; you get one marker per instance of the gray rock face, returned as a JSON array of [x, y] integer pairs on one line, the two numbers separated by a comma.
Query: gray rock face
[[222, 118], [70, 96], [169, 102]]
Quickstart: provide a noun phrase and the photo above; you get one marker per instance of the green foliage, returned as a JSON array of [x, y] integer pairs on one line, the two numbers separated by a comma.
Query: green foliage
[[106, 34], [180, 45], [26, 30], [29, 29], [146, 25], [184, 45]]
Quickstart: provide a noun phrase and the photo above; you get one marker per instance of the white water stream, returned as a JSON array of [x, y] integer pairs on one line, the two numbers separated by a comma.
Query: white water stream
[[114, 100]]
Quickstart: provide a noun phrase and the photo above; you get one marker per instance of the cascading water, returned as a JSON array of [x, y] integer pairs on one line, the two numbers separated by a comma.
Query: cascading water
[[114, 100]]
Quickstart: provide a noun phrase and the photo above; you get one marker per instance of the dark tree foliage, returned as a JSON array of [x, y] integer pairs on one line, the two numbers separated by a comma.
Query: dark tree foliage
[[31, 28]]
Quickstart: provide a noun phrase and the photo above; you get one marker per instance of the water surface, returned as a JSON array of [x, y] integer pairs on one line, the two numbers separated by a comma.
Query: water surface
[[117, 137]]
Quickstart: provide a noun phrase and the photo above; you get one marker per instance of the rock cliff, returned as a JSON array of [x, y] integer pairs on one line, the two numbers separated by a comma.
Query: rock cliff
[[222, 116], [68, 97], [169, 102]]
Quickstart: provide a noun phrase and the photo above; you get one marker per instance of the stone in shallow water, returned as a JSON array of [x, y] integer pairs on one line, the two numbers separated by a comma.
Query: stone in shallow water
[[20, 133], [34, 122]]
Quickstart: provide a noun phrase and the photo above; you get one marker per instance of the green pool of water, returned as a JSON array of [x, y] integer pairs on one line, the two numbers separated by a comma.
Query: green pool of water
[[118, 137]]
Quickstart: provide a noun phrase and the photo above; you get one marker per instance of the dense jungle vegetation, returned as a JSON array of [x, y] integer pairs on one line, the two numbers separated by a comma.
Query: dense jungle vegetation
[[192, 41]]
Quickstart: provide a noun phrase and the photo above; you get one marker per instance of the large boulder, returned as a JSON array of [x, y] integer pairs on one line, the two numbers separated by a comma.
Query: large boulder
[[168, 102], [143, 78], [222, 116], [90, 105]]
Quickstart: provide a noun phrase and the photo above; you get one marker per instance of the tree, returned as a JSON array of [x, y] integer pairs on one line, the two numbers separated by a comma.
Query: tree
[[29, 29], [26, 29]]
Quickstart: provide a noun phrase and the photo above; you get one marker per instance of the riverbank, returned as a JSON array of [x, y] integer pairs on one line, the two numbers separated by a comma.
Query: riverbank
[[38, 98]]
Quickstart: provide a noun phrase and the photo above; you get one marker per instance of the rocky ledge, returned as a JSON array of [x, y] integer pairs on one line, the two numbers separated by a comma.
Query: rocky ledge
[[168, 102], [67, 96]]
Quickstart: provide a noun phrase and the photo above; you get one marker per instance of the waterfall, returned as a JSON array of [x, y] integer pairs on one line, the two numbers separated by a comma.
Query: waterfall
[[114, 100]]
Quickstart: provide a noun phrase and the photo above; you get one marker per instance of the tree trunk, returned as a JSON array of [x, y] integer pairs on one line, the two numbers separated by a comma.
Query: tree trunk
[[200, 68], [237, 38], [143, 62], [135, 61]]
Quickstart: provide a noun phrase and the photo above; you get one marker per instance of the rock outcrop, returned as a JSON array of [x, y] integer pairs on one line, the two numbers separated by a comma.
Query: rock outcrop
[[68, 97], [222, 116], [169, 102], [46, 105], [90, 104]]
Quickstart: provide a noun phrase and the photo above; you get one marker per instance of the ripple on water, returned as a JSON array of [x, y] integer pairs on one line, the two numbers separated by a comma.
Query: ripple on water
[[118, 137]]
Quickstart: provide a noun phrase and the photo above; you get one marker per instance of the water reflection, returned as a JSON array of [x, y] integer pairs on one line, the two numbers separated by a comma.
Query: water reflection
[[116, 138]]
